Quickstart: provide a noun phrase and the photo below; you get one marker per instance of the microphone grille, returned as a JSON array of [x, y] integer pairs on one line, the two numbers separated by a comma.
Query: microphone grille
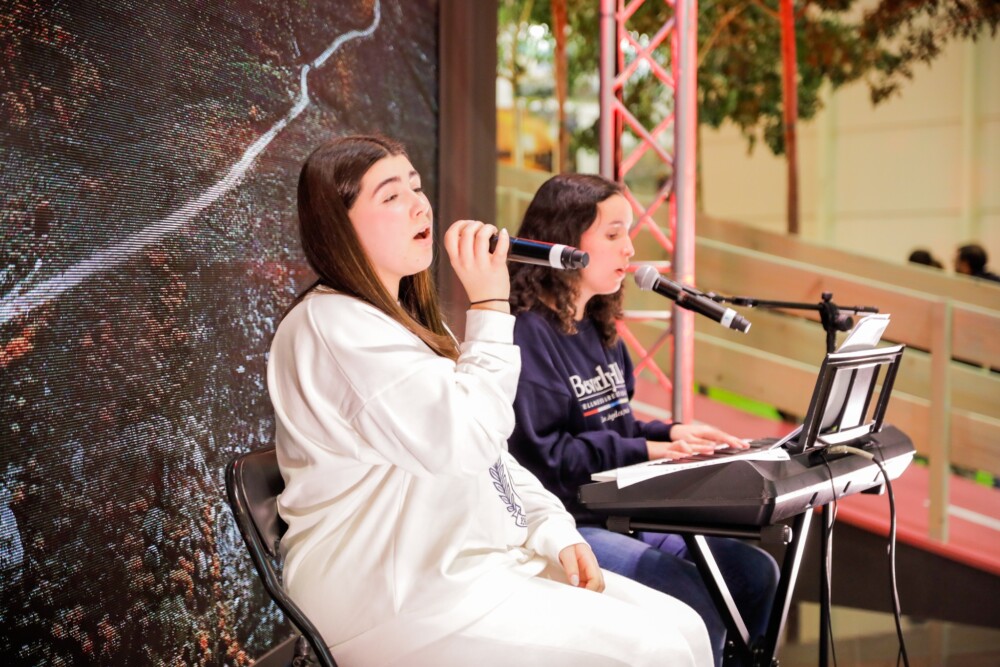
[[646, 277]]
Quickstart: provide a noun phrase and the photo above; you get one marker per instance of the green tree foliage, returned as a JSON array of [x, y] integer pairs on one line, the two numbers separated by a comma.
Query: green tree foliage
[[739, 74]]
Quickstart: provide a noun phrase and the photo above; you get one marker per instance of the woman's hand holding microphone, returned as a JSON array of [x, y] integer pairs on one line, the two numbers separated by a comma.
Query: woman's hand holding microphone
[[483, 274]]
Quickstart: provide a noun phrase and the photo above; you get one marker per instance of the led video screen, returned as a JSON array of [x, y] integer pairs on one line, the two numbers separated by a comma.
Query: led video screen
[[149, 153]]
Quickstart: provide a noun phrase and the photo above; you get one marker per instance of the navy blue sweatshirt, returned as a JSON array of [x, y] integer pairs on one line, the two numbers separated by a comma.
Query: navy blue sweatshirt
[[572, 410]]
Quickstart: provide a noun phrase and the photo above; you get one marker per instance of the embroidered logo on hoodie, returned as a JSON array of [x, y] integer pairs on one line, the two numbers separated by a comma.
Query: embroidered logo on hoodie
[[508, 495], [603, 391]]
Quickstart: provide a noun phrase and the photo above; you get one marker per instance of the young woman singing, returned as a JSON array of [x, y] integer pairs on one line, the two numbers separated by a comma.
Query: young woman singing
[[414, 538]]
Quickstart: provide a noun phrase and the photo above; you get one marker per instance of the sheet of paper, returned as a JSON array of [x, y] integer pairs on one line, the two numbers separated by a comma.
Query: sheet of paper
[[866, 334], [640, 472]]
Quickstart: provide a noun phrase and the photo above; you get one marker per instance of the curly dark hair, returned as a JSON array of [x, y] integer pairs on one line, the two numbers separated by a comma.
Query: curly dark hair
[[561, 211]]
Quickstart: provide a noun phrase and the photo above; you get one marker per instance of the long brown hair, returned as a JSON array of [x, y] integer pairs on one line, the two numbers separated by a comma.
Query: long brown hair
[[561, 211], [328, 187]]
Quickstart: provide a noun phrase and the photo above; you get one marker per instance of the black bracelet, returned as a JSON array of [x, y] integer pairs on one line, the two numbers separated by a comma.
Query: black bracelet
[[476, 303]]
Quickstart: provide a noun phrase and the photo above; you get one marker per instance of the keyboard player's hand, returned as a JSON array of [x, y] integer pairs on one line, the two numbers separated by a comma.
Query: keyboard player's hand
[[678, 449], [704, 435]]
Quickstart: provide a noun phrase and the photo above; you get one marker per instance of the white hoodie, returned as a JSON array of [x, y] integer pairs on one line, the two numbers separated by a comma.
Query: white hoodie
[[400, 495]]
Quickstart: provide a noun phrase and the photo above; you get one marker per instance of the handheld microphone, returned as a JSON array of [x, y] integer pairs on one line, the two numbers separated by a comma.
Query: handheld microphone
[[554, 255], [648, 278]]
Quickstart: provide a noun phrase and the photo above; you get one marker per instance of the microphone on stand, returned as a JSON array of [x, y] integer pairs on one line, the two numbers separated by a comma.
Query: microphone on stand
[[554, 255], [648, 278]]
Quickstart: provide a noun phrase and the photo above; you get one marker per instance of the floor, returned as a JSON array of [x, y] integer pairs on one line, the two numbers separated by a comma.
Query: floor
[[868, 639]]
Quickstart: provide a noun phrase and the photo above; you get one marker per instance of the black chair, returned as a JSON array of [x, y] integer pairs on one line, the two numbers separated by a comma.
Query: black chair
[[253, 483]]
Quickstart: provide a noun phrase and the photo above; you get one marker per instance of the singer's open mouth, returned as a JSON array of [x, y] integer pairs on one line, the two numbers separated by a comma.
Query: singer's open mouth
[[423, 233]]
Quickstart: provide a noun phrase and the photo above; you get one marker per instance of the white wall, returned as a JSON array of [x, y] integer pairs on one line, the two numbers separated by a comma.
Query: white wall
[[922, 169]]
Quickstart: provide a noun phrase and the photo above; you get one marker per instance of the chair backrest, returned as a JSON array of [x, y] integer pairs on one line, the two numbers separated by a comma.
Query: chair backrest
[[260, 483], [253, 483]]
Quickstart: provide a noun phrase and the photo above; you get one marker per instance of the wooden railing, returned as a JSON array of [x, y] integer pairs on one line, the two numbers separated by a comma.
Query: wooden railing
[[946, 398]]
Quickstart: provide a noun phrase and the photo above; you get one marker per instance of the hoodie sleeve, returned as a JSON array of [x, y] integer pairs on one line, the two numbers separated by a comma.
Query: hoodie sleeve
[[561, 460], [655, 430], [550, 527], [336, 359]]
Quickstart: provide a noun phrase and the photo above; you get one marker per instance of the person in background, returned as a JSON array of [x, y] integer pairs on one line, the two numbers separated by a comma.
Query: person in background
[[572, 404], [922, 256], [414, 539], [971, 260]]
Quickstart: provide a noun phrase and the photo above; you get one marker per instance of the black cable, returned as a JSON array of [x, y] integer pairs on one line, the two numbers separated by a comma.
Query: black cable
[[892, 566], [893, 590], [828, 564]]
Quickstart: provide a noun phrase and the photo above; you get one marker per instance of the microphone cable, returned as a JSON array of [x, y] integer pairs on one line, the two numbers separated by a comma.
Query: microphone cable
[[893, 590], [828, 564]]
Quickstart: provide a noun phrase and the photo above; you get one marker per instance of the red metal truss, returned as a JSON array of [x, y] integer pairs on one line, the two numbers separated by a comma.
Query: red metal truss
[[677, 191]]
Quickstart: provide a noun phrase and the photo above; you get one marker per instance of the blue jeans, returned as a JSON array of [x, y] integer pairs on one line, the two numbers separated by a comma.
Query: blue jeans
[[661, 561]]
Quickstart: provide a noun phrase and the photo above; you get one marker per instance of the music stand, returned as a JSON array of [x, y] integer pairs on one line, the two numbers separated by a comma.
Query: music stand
[[837, 414], [842, 396], [844, 389]]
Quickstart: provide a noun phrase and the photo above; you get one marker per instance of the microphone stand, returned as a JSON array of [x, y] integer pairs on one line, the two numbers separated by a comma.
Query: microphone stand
[[833, 319], [831, 316]]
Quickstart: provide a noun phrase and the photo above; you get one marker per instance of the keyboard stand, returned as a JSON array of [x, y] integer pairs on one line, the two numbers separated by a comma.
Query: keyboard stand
[[757, 651]]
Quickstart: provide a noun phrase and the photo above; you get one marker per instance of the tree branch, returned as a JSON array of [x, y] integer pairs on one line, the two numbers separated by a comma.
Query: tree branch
[[767, 10], [726, 19]]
